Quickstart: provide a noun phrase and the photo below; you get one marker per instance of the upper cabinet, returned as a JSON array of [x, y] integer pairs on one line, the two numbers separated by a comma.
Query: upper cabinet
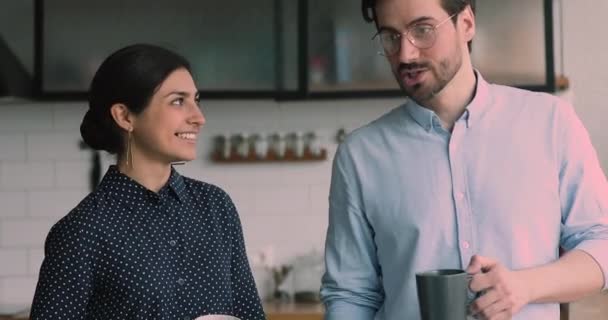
[[230, 43], [341, 55], [513, 45], [280, 49], [16, 48]]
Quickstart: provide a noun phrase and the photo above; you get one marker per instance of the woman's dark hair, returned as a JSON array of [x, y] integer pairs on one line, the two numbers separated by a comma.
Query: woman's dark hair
[[368, 9], [129, 76]]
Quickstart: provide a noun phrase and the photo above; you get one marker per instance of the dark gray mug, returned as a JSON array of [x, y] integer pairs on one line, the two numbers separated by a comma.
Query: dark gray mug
[[443, 294]]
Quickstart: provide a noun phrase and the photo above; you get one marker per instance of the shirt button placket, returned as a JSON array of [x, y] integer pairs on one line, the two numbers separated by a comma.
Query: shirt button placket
[[464, 219]]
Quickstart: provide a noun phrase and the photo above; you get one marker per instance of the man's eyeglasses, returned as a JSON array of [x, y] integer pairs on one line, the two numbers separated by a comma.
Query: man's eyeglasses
[[420, 35]]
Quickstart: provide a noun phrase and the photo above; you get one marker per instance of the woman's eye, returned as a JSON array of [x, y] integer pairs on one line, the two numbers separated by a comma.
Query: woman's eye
[[178, 102]]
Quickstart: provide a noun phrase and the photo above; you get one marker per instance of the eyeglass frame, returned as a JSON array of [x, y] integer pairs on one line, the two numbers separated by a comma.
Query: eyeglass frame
[[407, 31]]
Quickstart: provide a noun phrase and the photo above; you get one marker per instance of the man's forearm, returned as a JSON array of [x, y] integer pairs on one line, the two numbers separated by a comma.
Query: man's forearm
[[574, 276]]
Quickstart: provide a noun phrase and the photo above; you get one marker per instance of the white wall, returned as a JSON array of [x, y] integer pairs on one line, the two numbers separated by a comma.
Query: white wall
[[43, 173], [585, 63]]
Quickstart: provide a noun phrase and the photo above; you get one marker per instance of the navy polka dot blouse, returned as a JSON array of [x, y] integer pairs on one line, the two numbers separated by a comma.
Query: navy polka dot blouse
[[129, 253]]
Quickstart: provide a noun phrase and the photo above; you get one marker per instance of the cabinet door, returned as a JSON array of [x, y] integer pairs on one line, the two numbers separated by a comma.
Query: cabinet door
[[17, 30], [509, 45], [230, 43], [342, 55], [16, 47]]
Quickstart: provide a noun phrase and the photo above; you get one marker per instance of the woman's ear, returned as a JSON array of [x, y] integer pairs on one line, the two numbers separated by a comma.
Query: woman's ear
[[123, 117]]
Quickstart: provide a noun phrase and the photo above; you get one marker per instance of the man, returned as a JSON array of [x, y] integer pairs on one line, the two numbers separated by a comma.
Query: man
[[465, 174]]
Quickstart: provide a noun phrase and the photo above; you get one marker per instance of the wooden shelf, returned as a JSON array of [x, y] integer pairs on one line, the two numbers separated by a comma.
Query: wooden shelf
[[271, 157]]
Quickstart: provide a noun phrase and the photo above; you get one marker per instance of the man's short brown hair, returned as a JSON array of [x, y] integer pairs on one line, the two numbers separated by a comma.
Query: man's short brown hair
[[451, 7]]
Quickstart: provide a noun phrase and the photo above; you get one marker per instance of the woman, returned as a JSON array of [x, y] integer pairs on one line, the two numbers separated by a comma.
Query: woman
[[148, 243]]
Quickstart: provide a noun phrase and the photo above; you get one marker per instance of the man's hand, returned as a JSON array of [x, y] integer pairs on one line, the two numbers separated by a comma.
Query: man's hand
[[504, 292]]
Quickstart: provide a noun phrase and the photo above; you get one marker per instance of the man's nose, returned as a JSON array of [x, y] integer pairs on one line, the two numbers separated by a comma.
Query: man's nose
[[408, 52]]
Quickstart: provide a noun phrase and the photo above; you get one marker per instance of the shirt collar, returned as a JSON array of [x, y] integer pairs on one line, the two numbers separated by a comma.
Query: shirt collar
[[123, 187], [481, 100], [473, 112], [177, 185]]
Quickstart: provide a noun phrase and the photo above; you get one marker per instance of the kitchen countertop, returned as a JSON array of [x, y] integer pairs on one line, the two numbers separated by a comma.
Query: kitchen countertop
[[591, 308], [274, 310], [292, 307], [293, 311], [12, 312]]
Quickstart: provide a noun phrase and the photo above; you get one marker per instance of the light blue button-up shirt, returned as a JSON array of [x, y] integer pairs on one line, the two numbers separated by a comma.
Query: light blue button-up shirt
[[516, 179]]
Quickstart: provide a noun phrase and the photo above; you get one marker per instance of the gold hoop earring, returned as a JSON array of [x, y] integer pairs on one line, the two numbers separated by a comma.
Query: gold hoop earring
[[129, 152]]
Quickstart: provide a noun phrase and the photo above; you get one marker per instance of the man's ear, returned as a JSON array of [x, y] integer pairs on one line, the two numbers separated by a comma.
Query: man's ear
[[123, 117], [467, 24]]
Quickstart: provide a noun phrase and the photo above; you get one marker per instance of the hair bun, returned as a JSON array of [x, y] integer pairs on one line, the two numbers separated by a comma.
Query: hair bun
[[92, 133]]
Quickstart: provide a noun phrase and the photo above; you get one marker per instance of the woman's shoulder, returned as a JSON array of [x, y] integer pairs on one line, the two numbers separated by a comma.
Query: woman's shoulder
[[204, 189], [82, 223], [86, 214]]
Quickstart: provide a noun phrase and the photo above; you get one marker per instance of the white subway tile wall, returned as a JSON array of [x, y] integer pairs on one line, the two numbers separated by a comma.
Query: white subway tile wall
[[54, 146], [54, 204], [18, 291], [13, 147], [34, 261], [12, 204], [18, 262], [24, 233], [44, 174], [25, 176], [23, 119]]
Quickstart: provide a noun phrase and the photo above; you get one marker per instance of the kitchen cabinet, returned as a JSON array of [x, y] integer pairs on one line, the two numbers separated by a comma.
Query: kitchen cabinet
[[513, 46], [16, 50], [230, 43], [297, 49]]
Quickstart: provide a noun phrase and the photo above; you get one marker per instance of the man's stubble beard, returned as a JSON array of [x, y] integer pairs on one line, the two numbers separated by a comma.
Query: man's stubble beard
[[441, 76]]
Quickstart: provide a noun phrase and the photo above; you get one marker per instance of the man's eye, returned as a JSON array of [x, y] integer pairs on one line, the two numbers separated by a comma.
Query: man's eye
[[422, 30], [389, 36]]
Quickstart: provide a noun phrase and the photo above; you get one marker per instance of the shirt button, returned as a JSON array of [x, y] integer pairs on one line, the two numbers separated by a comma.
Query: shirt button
[[173, 243], [460, 195], [466, 245], [181, 282]]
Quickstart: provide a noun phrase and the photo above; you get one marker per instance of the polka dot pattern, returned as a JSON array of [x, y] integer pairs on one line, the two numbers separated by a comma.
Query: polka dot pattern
[[129, 253]]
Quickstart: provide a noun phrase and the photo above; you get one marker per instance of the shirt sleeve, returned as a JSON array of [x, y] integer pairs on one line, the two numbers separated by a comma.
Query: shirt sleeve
[[351, 287], [583, 191], [246, 301], [66, 277]]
